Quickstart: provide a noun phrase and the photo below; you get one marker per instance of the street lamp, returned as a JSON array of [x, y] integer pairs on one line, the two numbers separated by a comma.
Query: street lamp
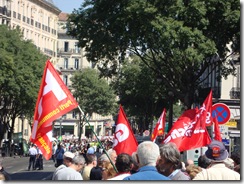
[[60, 126], [171, 96]]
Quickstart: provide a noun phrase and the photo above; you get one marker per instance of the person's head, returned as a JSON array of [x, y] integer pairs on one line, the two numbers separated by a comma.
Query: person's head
[[124, 162], [68, 158], [203, 161], [78, 162], [135, 165], [169, 159], [216, 151], [147, 153], [108, 171], [229, 163], [112, 154], [193, 170], [91, 159]]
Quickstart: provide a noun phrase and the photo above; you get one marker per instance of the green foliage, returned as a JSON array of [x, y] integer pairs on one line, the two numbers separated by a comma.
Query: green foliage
[[93, 93], [21, 68], [175, 39]]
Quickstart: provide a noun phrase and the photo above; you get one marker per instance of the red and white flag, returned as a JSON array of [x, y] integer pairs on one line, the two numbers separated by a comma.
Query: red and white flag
[[124, 139], [159, 128], [189, 131], [206, 110], [54, 100]]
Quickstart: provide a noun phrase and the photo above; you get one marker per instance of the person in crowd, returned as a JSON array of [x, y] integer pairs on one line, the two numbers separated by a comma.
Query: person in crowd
[[203, 161], [59, 155], [67, 161], [2, 177], [235, 155], [54, 148], [96, 172], [135, 165], [112, 154], [229, 163], [91, 161], [5, 175], [39, 160], [147, 155], [193, 170], [169, 163], [217, 170], [124, 164], [108, 171], [71, 172], [32, 159]]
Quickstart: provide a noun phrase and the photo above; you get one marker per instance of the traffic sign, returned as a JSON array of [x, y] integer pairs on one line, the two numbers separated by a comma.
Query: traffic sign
[[222, 112]]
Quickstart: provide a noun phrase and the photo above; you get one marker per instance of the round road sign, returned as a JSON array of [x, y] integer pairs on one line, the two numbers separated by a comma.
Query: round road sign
[[222, 112]]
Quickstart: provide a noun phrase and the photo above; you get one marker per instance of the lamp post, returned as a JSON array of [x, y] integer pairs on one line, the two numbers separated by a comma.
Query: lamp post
[[171, 95], [60, 126]]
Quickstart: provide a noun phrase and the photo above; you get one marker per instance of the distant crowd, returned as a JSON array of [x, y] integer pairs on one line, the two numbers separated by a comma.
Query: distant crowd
[[84, 160]]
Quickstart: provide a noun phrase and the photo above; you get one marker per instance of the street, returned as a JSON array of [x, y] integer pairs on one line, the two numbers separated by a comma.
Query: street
[[17, 167]]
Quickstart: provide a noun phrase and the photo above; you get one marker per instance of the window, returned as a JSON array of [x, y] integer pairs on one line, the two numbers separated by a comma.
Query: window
[[66, 46], [65, 79], [76, 63], [76, 48], [66, 63]]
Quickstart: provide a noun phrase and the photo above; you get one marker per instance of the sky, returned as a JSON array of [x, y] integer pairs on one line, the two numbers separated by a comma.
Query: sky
[[67, 6]]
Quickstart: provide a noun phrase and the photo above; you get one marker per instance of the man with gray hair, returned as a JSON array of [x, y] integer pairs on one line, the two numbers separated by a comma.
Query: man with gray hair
[[170, 164], [72, 172], [147, 156]]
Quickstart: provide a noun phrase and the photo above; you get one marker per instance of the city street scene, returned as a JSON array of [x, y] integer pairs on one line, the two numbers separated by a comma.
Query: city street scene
[[120, 90]]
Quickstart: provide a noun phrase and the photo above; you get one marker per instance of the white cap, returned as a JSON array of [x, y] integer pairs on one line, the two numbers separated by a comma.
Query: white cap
[[69, 154]]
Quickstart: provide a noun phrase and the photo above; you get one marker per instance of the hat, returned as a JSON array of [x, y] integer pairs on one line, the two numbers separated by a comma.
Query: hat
[[216, 151], [69, 154], [91, 150]]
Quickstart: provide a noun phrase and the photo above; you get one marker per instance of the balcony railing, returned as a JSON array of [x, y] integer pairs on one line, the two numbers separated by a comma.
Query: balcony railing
[[235, 93]]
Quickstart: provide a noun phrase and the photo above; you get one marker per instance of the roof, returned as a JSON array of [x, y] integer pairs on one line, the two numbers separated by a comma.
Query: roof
[[63, 16]]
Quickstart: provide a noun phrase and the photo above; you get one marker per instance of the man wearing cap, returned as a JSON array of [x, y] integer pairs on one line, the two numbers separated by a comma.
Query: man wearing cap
[[68, 158], [217, 170]]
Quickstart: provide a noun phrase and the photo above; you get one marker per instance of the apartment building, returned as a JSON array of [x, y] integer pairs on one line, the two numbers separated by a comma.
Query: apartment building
[[43, 23], [70, 59]]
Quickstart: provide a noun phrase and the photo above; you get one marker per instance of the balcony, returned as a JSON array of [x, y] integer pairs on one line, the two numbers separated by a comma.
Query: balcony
[[235, 93]]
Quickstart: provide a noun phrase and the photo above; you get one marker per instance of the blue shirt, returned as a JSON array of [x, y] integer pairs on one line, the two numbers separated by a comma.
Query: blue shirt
[[147, 173]]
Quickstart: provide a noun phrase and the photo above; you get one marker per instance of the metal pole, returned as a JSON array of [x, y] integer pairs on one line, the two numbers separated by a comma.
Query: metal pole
[[171, 95], [60, 126]]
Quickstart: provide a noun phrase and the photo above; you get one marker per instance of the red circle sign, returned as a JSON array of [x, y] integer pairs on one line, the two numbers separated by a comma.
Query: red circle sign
[[222, 111]]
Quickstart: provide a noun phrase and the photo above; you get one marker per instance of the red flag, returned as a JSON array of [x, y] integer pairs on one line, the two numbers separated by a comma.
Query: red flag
[[124, 139], [188, 132], [217, 134], [54, 100], [159, 128], [206, 109]]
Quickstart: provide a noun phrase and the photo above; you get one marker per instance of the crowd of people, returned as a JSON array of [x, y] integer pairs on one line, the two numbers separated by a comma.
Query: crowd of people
[[151, 161]]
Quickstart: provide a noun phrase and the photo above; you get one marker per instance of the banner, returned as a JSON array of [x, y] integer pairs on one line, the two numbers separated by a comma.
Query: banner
[[188, 132], [124, 139], [159, 128], [54, 100]]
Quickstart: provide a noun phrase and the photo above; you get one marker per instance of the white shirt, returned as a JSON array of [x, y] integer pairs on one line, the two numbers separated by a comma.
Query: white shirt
[[32, 151]]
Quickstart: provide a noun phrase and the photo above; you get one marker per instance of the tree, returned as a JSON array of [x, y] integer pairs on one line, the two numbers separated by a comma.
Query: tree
[[93, 94], [21, 68], [175, 39]]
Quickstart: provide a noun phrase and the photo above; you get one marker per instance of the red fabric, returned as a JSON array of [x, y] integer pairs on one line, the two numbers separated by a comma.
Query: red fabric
[[216, 130], [159, 128], [188, 132], [206, 109], [124, 139], [54, 100]]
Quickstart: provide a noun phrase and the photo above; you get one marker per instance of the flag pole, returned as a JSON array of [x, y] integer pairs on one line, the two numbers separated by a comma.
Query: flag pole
[[100, 143]]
